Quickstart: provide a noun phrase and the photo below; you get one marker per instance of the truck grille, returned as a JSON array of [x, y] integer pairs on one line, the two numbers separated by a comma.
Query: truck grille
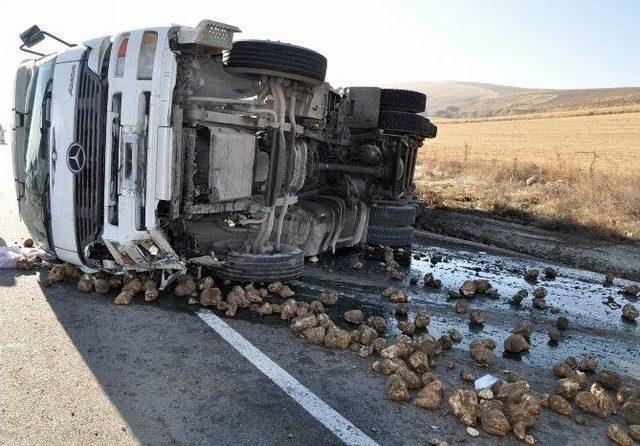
[[89, 134]]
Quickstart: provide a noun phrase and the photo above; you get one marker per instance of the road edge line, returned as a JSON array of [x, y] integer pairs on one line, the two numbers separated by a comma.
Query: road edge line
[[321, 411]]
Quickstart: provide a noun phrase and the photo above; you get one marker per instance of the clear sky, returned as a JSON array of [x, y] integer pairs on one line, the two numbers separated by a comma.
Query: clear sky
[[543, 43]]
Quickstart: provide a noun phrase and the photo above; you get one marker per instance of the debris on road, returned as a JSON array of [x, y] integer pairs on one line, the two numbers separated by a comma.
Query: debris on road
[[377, 323], [560, 405], [85, 283], [421, 320], [492, 418], [467, 376], [484, 382], [397, 389], [554, 335], [431, 282], [588, 364], [124, 298], [631, 410], [567, 388], [562, 323], [464, 403], [609, 379], [328, 297], [619, 436], [476, 317], [25, 257], [454, 334], [412, 361], [472, 431], [150, 288], [516, 343], [540, 303], [482, 355], [461, 306], [430, 397], [402, 309], [631, 290], [407, 327], [337, 338], [354, 316], [630, 313], [540, 292]]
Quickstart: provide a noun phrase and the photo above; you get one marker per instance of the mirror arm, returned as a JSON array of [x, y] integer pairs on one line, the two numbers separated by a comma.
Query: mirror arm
[[58, 39], [22, 48]]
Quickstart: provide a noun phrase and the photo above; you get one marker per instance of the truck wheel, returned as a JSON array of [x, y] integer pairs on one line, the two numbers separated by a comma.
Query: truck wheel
[[277, 59], [392, 215], [402, 100], [386, 236], [401, 122], [285, 265]]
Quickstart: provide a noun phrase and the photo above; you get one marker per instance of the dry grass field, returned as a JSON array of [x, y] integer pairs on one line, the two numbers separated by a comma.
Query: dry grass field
[[571, 171]]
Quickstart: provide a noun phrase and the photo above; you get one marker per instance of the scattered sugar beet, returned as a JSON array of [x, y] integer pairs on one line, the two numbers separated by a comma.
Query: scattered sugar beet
[[461, 306], [519, 296], [354, 316], [476, 317], [328, 297], [402, 309], [516, 343], [630, 313], [619, 436], [421, 320]]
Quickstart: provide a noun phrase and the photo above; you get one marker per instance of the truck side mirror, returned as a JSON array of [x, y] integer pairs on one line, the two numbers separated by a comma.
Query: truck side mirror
[[32, 36], [35, 35]]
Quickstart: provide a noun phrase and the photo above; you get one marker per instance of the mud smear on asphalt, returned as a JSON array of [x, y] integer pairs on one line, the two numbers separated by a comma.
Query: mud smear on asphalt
[[594, 328], [578, 295]]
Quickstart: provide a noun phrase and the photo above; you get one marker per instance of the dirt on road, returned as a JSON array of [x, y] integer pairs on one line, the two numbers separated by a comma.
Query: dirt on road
[[618, 257], [83, 368]]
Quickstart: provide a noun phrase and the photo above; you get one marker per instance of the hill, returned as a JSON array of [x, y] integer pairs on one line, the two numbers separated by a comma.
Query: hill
[[451, 99]]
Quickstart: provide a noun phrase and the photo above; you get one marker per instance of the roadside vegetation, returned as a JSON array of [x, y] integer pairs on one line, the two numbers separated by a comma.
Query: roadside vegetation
[[556, 171]]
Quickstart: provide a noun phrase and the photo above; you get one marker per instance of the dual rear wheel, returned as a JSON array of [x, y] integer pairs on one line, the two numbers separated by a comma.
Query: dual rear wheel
[[390, 225]]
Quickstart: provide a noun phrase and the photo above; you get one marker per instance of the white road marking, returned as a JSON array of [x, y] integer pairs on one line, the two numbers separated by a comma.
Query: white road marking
[[332, 420]]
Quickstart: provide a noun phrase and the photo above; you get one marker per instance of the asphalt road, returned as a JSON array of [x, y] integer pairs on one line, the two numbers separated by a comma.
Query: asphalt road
[[78, 369]]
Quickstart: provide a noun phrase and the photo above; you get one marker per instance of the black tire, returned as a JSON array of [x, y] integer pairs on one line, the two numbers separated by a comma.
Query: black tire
[[277, 59], [288, 264], [402, 100], [401, 122], [386, 236], [392, 215]]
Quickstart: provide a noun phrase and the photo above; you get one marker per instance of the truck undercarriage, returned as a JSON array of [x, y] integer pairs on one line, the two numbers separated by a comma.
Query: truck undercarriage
[[259, 162]]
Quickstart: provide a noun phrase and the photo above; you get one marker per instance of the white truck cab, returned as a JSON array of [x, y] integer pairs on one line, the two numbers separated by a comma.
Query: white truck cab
[[161, 147]]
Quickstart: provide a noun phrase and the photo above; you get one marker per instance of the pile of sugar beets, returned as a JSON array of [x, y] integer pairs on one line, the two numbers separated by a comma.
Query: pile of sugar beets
[[410, 360]]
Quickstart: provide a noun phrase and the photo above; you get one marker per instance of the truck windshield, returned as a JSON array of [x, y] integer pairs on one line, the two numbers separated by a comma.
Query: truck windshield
[[35, 203]]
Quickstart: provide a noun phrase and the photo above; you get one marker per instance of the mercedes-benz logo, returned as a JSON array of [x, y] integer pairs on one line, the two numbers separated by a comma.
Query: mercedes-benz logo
[[75, 158]]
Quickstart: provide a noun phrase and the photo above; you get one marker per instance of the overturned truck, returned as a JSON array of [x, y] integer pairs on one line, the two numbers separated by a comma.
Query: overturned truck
[[163, 147]]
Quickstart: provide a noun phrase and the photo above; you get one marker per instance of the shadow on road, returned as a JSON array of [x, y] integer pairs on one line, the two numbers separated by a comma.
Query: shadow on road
[[172, 379]]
